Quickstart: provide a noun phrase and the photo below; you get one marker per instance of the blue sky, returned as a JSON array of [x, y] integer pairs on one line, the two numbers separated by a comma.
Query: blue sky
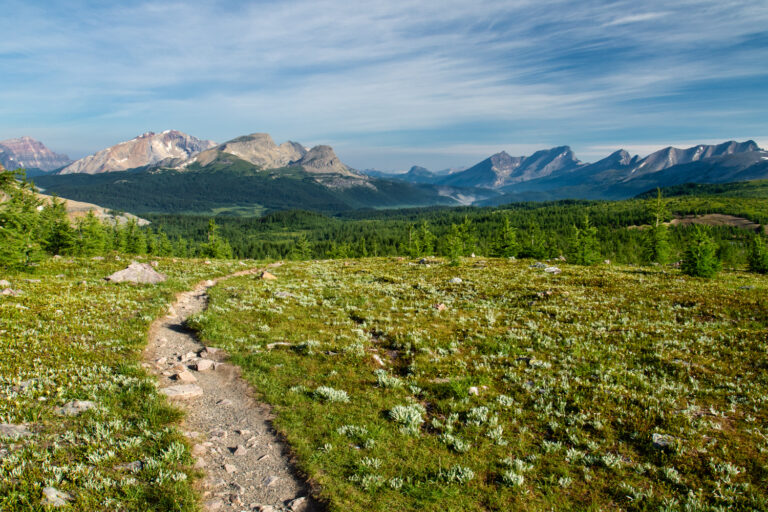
[[389, 83]]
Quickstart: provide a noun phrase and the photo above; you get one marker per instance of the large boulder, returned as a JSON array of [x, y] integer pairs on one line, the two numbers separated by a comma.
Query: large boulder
[[137, 273]]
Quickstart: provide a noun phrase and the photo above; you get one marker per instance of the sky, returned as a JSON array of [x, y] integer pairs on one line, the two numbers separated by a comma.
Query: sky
[[391, 83]]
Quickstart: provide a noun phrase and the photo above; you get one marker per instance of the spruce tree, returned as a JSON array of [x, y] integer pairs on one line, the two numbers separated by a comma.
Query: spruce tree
[[216, 246], [505, 244], [92, 236], [700, 258], [757, 258], [584, 247], [656, 244], [302, 249], [20, 222], [57, 234], [455, 245]]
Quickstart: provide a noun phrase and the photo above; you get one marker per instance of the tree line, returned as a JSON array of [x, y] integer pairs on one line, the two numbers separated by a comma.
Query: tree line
[[582, 232]]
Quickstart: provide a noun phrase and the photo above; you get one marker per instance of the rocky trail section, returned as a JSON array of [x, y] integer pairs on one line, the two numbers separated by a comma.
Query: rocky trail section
[[247, 466]]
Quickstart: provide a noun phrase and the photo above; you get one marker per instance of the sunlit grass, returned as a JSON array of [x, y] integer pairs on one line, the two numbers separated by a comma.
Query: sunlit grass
[[530, 391]]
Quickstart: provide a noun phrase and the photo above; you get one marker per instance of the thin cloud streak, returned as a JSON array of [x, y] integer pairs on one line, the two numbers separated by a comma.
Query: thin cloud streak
[[324, 70]]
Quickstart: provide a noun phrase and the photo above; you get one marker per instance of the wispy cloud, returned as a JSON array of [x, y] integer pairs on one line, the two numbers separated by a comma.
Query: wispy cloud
[[636, 18], [392, 76]]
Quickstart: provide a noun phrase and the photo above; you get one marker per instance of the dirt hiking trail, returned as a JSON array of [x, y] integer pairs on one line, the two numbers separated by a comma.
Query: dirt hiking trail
[[247, 466]]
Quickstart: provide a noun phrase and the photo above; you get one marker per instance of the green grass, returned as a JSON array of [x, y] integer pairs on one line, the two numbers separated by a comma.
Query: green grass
[[573, 375], [70, 335]]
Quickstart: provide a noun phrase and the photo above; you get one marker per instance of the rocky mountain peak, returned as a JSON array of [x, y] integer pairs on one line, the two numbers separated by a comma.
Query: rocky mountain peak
[[322, 159], [26, 152], [146, 149]]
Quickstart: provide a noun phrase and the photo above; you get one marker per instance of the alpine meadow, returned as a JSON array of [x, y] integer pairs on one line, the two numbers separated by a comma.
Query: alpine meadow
[[434, 304]]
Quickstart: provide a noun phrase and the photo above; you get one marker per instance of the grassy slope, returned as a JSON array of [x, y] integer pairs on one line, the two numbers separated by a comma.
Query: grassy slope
[[579, 370], [73, 336]]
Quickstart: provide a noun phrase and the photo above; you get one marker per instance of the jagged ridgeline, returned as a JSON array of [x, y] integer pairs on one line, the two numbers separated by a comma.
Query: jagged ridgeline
[[173, 172]]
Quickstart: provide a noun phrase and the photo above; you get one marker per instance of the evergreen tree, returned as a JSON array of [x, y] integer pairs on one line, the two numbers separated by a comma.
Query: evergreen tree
[[455, 245], [163, 246], [302, 249], [505, 244], [92, 236], [135, 240], [19, 222], [656, 247], [584, 247], [534, 243], [216, 246], [757, 258], [426, 240], [58, 236], [700, 258]]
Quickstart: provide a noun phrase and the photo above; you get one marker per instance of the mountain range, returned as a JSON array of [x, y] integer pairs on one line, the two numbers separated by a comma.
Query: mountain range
[[175, 172]]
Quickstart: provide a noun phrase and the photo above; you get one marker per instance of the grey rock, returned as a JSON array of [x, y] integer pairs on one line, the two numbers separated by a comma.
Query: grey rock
[[203, 365], [75, 407], [55, 498], [141, 273], [239, 450], [299, 504], [455, 280], [663, 441], [185, 376], [133, 467], [14, 431], [272, 480], [183, 391]]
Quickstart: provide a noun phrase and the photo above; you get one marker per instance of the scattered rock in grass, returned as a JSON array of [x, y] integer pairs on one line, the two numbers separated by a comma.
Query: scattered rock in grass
[[264, 508], [552, 270], [229, 468], [75, 407], [4, 283], [154, 264], [270, 346], [607, 262], [98, 258], [14, 431], [200, 448], [284, 295], [203, 365], [377, 359], [455, 280], [474, 391], [300, 504], [267, 276], [538, 264], [55, 498], [440, 307], [663, 441], [185, 376], [133, 467], [183, 391], [11, 292], [137, 273]]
